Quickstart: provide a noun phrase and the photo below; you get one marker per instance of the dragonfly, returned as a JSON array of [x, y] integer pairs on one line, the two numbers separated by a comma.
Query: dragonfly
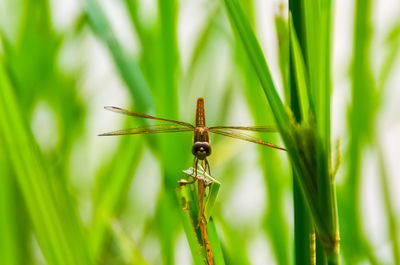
[[201, 147]]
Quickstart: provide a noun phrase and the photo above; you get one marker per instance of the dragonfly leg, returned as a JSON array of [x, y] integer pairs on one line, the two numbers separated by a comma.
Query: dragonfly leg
[[195, 164], [207, 167], [183, 182]]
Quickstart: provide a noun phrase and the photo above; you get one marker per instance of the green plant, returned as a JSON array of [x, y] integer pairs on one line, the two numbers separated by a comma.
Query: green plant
[[62, 203]]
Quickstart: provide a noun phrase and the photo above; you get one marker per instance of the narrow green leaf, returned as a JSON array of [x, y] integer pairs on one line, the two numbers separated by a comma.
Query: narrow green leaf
[[275, 223], [215, 243], [361, 118], [167, 224], [300, 72], [392, 55], [132, 6], [189, 221], [9, 245], [56, 224], [282, 31], [391, 216], [234, 245], [127, 66], [253, 49], [112, 188], [306, 142], [127, 249], [204, 38]]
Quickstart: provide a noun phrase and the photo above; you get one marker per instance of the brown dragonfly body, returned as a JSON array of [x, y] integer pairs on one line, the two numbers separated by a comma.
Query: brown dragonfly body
[[201, 138], [201, 148]]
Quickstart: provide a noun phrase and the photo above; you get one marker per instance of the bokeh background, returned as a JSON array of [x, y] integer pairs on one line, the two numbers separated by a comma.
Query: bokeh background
[[65, 192]]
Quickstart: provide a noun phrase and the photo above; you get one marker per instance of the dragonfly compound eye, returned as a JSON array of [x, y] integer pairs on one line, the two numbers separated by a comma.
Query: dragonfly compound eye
[[201, 150]]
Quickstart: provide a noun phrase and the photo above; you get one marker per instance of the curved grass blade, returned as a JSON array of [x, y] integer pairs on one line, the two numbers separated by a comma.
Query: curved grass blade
[[55, 222], [10, 248], [112, 184], [256, 56], [308, 143], [300, 73], [304, 239], [233, 245], [189, 217], [127, 66], [391, 215], [215, 243]]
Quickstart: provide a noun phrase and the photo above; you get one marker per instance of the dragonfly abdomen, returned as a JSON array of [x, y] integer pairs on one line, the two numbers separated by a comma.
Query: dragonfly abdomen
[[200, 117]]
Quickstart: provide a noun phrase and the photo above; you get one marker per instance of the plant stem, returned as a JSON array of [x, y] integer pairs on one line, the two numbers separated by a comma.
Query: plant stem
[[303, 226]]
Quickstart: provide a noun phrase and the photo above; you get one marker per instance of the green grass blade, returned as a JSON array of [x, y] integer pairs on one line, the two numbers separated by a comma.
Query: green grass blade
[[282, 31], [393, 51], [10, 250], [165, 76], [168, 223], [189, 217], [361, 117], [300, 73], [203, 39], [132, 7], [309, 138], [255, 54], [309, 41], [129, 251], [234, 245], [391, 216], [56, 224], [275, 223], [168, 56], [304, 238], [318, 19], [299, 139], [314, 23], [128, 67], [212, 197], [111, 190], [303, 227], [215, 243]]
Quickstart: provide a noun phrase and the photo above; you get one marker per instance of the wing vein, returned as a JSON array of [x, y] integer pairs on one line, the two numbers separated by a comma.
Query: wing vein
[[245, 128], [243, 136], [145, 116], [161, 128]]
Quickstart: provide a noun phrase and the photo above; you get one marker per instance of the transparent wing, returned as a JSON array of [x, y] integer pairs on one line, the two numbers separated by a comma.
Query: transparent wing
[[243, 136], [161, 128], [141, 115], [244, 128]]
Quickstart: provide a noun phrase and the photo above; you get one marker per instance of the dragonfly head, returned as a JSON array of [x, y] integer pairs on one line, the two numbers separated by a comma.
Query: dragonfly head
[[201, 150]]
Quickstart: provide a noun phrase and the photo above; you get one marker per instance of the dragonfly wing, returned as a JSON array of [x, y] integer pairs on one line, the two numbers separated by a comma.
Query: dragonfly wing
[[161, 128], [141, 115], [242, 136], [266, 129]]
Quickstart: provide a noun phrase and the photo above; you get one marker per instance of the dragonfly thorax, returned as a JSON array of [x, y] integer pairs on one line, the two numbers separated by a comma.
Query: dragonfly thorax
[[201, 150]]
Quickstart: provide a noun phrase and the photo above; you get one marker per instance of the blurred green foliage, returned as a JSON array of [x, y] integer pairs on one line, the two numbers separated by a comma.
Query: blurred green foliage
[[49, 215]]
